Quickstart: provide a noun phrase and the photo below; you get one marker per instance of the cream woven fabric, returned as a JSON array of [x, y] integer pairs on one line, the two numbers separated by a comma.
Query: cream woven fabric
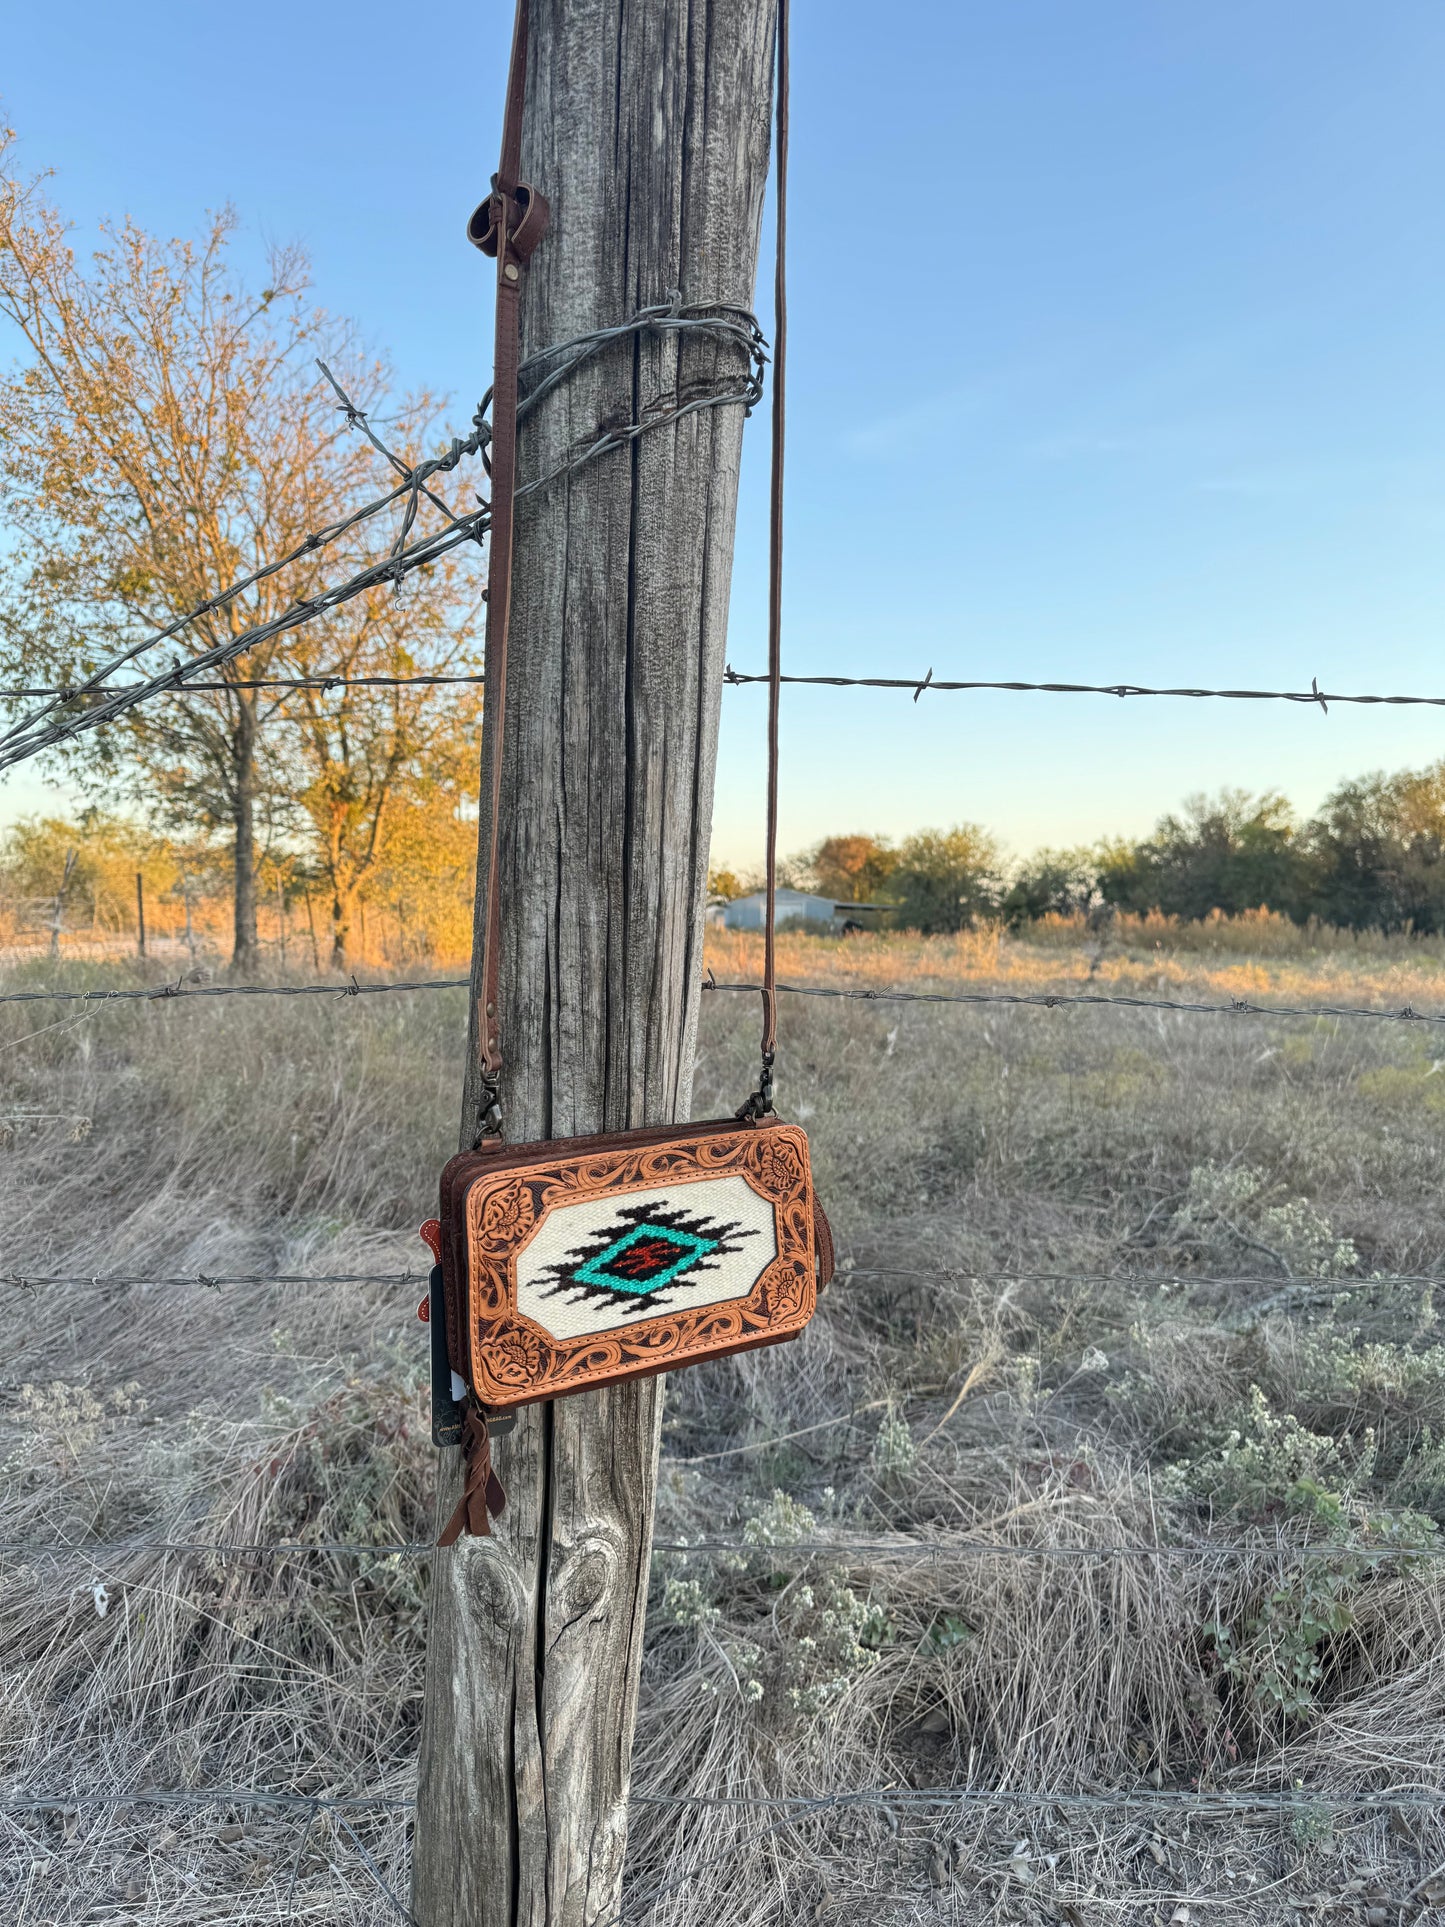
[[600, 1265]]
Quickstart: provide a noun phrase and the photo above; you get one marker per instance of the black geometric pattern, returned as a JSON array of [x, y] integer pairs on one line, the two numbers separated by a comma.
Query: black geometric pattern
[[645, 1251]]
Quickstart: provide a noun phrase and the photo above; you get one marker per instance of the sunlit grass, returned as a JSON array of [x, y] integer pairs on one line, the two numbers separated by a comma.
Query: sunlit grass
[[961, 1392]]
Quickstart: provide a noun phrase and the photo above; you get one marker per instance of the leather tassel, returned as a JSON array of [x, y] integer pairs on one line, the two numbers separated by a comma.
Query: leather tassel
[[482, 1497]]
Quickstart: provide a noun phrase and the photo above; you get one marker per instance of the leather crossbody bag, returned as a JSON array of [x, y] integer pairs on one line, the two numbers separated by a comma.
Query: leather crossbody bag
[[579, 1262]]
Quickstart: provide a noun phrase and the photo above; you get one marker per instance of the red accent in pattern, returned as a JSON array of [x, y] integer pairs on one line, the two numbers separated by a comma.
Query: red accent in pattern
[[647, 1256]]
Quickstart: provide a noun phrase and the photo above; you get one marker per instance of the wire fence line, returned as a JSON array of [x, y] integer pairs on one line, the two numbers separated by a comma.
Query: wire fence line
[[1279, 1283], [209, 1281], [1055, 1000], [1321, 699], [21, 730], [964, 1274], [1314, 696], [1283, 1799], [93, 701], [78, 1799], [1219, 1802], [930, 1551], [182, 990], [218, 1548], [323, 682], [102, 704]]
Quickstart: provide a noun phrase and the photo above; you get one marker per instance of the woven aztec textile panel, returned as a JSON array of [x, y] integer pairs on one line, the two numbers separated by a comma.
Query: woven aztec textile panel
[[605, 1264]]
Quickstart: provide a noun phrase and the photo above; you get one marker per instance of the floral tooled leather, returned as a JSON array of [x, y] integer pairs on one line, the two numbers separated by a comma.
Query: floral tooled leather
[[514, 1360]]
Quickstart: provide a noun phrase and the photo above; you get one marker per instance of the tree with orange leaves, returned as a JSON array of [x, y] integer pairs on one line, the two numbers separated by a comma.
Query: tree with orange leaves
[[164, 432]]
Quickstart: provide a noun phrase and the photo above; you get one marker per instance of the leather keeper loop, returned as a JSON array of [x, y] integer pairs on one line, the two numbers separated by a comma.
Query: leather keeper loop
[[528, 222]]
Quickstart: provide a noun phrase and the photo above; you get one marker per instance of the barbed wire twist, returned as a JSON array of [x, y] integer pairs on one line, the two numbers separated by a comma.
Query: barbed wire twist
[[321, 681], [1314, 696], [99, 703]]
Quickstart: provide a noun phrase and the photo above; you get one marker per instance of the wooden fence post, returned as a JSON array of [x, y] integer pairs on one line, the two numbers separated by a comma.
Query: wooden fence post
[[647, 127], [140, 914], [57, 912]]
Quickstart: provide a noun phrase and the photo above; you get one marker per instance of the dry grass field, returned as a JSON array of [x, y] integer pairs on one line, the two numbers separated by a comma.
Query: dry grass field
[[1178, 1534]]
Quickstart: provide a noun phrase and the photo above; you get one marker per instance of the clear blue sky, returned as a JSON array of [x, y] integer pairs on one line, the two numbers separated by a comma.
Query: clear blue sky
[[1157, 391]]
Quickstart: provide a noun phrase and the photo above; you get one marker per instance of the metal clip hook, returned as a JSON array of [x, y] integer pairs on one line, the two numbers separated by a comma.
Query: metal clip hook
[[760, 1103], [490, 1124]]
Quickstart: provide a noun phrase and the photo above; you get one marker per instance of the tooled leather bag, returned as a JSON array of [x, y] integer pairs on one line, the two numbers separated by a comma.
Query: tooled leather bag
[[578, 1262]]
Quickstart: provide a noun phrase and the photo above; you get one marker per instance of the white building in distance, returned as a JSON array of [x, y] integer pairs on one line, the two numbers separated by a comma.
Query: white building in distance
[[796, 907]]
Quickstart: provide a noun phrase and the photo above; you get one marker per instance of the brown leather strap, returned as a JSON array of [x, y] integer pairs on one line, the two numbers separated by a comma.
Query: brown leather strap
[[761, 1101], [775, 555], [775, 552], [482, 1496], [509, 224]]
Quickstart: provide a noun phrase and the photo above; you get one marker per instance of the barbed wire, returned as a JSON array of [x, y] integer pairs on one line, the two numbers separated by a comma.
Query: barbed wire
[[182, 990], [1314, 696], [933, 1551], [321, 681], [104, 704], [34, 733], [1263, 1801], [209, 1281], [1219, 1801], [962, 1274], [413, 482], [78, 1799], [940, 1274], [1044, 1000], [317, 539], [1053, 1000], [930, 1551], [220, 1548]]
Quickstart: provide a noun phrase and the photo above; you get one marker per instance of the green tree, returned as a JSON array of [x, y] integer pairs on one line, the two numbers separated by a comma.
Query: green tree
[[1232, 852], [946, 880], [1377, 852], [1061, 883]]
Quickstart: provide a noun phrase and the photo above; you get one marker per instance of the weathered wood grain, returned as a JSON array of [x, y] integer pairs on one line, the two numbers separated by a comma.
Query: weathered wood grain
[[647, 127]]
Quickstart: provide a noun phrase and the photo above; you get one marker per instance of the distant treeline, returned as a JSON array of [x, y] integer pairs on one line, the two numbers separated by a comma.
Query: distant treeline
[[1373, 858]]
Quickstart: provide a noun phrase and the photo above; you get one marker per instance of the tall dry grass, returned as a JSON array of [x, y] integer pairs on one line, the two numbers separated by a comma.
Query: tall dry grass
[[953, 1390]]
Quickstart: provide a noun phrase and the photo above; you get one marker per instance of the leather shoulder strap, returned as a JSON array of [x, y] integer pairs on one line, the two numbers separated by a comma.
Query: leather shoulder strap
[[508, 225], [761, 1102]]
